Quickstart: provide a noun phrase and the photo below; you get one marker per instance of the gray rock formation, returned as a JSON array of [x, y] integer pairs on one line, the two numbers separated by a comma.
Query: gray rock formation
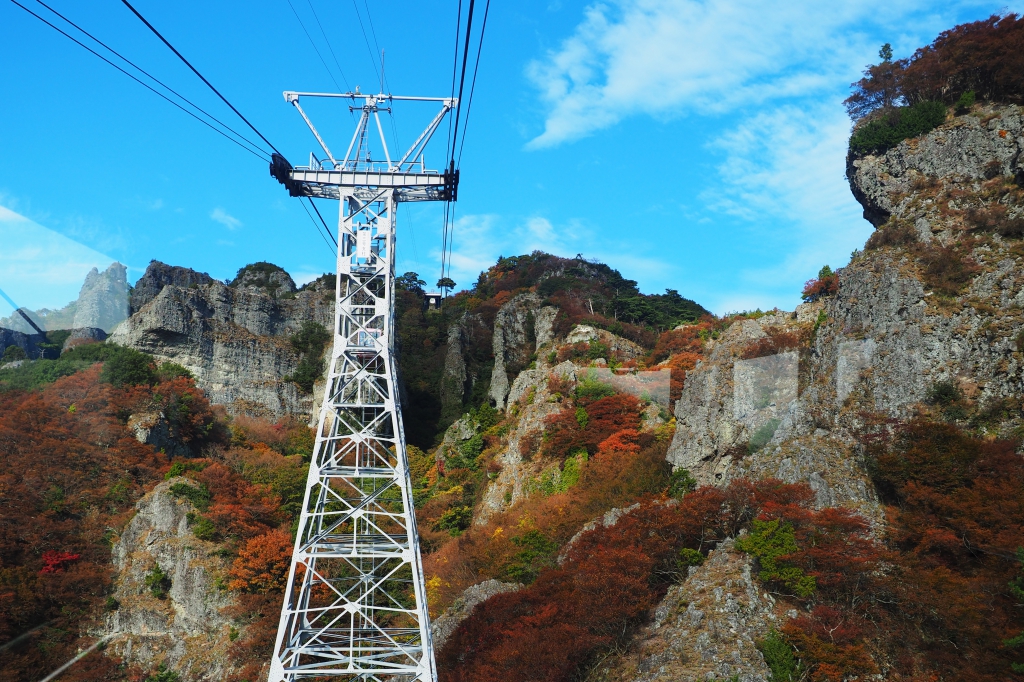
[[706, 628], [185, 630], [102, 303], [233, 339], [152, 428], [973, 147], [444, 626], [82, 336], [26, 342], [159, 275], [514, 325], [886, 337]]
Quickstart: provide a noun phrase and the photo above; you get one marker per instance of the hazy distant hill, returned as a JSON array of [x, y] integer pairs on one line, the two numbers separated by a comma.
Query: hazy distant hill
[[102, 303]]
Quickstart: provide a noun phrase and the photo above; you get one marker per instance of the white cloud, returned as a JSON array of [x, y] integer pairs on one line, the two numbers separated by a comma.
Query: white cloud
[[671, 57], [224, 218], [786, 167]]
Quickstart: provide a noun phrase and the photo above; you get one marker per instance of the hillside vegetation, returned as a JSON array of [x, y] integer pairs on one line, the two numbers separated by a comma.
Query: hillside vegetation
[[981, 61], [73, 471], [584, 292]]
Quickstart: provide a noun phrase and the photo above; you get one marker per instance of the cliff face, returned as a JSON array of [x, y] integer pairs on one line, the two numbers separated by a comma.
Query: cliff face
[[936, 298], [233, 339], [183, 628]]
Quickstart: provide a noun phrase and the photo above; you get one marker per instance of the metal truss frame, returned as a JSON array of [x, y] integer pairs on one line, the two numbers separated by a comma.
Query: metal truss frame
[[355, 603]]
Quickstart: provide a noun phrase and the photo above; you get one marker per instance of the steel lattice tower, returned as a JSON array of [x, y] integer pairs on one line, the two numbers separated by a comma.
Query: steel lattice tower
[[355, 604]]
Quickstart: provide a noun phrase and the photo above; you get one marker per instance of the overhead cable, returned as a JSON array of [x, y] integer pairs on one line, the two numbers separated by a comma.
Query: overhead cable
[[462, 78], [449, 150], [472, 87], [196, 72], [316, 226], [329, 233], [383, 73], [315, 48], [260, 156], [154, 78], [373, 59], [329, 46]]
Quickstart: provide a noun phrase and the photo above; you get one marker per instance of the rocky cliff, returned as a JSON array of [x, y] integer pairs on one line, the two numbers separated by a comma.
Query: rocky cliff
[[927, 321], [234, 339], [176, 619], [102, 303], [935, 299]]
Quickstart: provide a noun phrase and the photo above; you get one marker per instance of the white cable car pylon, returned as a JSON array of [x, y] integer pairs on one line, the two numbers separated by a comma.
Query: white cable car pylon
[[355, 604]]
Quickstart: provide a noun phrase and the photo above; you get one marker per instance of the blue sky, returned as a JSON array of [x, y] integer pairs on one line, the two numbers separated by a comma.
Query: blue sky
[[692, 145]]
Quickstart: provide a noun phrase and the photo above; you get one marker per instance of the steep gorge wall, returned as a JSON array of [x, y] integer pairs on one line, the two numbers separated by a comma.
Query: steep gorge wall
[[233, 339], [893, 330]]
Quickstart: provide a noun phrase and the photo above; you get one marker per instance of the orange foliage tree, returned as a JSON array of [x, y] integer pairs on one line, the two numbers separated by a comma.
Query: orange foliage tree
[[262, 563]]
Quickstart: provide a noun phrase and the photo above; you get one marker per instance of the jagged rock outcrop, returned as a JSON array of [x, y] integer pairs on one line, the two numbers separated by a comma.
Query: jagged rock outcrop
[[82, 336], [102, 303], [444, 626], [233, 339], [706, 628], [266, 276], [185, 629], [971, 148], [517, 335], [889, 335], [454, 377], [152, 428], [159, 275], [26, 342]]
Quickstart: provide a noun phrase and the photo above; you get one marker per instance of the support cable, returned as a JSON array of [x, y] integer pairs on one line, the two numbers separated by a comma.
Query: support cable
[[462, 78], [373, 60], [329, 233], [261, 155], [383, 74], [196, 72], [472, 87], [455, 136], [315, 48], [154, 79], [317, 227], [329, 46], [450, 144]]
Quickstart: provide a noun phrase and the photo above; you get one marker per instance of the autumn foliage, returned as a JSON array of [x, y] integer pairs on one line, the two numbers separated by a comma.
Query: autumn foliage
[[72, 474], [982, 57], [71, 470], [612, 577], [262, 563]]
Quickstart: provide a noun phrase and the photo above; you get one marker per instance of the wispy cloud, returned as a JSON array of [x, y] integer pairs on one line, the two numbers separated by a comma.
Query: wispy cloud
[[226, 219], [673, 57]]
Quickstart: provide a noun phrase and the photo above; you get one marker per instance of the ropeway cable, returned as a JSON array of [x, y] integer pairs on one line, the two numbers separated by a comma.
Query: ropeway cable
[[155, 79], [140, 82], [196, 72], [315, 48]]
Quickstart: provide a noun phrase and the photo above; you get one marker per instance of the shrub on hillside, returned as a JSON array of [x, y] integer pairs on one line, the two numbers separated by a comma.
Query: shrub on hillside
[[13, 354], [825, 284], [895, 125], [262, 563], [310, 342]]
